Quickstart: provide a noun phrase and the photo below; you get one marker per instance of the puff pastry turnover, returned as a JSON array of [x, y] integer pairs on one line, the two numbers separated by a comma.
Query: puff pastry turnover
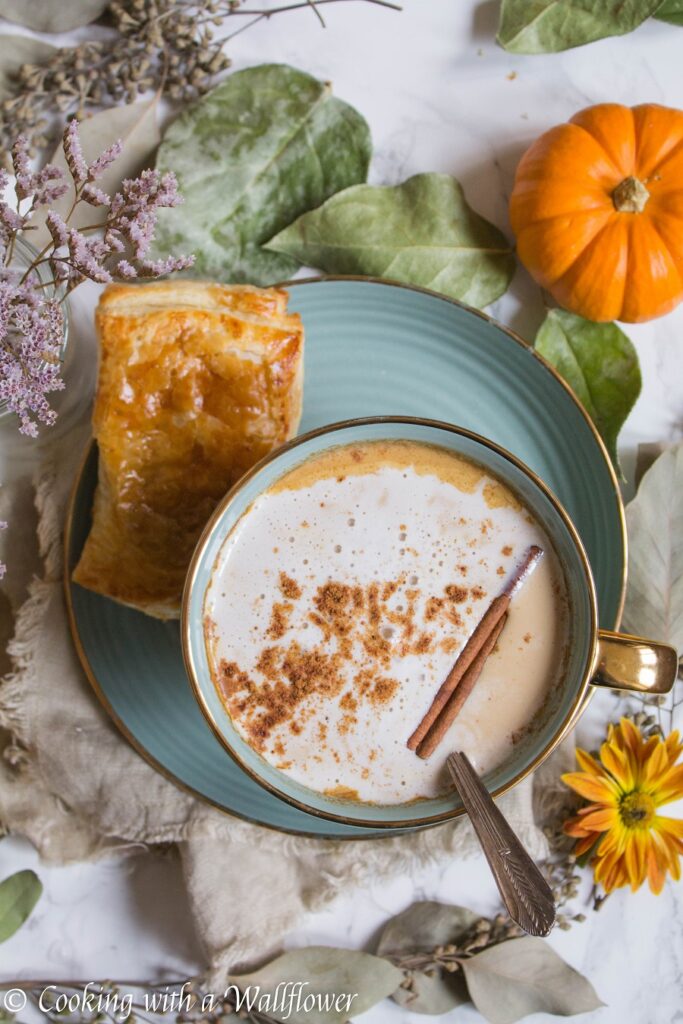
[[196, 383]]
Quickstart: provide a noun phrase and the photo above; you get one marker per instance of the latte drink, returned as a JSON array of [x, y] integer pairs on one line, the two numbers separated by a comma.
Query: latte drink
[[342, 598]]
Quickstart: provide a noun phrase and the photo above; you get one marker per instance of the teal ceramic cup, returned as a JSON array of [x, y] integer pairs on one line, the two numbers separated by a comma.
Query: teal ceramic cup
[[595, 657]]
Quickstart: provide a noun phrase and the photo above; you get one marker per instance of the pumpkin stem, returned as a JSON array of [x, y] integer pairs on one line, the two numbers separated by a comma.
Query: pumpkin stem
[[630, 196]]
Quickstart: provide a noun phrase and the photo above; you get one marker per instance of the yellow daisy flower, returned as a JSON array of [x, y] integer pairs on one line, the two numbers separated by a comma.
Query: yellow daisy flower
[[630, 840]]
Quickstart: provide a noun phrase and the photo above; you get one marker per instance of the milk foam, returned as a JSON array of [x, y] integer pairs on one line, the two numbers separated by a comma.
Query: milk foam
[[341, 599]]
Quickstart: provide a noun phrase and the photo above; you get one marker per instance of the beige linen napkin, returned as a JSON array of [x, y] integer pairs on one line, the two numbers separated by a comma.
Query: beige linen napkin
[[73, 785]]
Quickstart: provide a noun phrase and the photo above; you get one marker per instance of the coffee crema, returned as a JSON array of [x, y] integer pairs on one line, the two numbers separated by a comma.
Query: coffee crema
[[341, 599]]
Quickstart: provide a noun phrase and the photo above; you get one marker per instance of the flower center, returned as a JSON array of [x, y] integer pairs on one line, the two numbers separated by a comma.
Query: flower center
[[637, 810], [630, 196]]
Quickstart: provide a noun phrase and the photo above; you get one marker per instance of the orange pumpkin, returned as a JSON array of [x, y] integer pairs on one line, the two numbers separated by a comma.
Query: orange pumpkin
[[597, 208]]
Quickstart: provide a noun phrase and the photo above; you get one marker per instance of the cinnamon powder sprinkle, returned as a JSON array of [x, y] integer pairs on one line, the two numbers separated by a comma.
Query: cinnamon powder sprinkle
[[348, 702], [423, 643], [362, 627], [289, 587], [346, 725], [279, 620], [383, 690]]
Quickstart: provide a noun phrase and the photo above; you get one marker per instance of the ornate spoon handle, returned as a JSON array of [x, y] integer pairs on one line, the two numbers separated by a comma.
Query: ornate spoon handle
[[526, 894]]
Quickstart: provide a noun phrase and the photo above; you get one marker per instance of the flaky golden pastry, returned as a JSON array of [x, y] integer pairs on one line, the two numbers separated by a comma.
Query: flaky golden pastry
[[197, 382]]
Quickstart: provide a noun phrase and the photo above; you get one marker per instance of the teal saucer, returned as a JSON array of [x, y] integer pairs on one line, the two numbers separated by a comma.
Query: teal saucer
[[372, 348]]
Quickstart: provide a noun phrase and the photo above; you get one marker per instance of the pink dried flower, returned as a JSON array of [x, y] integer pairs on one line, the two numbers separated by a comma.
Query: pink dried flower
[[10, 222], [57, 228], [31, 336], [44, 186], [133, 214], [126, 270], [21, 164], [105, 160], [81, 172], [114, 241], [49, 186], [95, 196], [87, 255], [158, 268], [75, 160]]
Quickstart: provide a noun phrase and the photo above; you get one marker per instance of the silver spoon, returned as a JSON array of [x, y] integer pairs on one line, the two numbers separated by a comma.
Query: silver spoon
[[526, 894]]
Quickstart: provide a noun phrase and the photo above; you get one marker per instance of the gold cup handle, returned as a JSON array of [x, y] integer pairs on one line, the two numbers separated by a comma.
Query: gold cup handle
[[633, 663]]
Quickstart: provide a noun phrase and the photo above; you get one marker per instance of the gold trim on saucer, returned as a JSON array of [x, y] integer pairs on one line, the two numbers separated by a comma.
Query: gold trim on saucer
[[73, 626]]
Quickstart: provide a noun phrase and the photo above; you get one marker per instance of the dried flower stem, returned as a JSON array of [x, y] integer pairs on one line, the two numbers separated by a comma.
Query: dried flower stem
[[267, 12], [162, 45]]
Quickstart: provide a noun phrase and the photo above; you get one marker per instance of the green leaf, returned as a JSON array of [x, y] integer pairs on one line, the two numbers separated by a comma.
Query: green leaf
[[654, 521], [52, 15], [136, 126], [671, 11], [15, 51], [421, 928], [600, 365], [547, 26], [421, 232], [522, 976], [18, 896], [252, 155], [328, 975]]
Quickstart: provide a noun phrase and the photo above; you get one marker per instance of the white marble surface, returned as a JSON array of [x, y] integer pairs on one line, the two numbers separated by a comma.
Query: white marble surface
[[439, 95]]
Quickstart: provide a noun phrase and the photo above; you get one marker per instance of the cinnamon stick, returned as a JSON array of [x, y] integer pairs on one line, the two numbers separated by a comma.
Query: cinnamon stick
[[480, 636], [460, 695], [494, 613]]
